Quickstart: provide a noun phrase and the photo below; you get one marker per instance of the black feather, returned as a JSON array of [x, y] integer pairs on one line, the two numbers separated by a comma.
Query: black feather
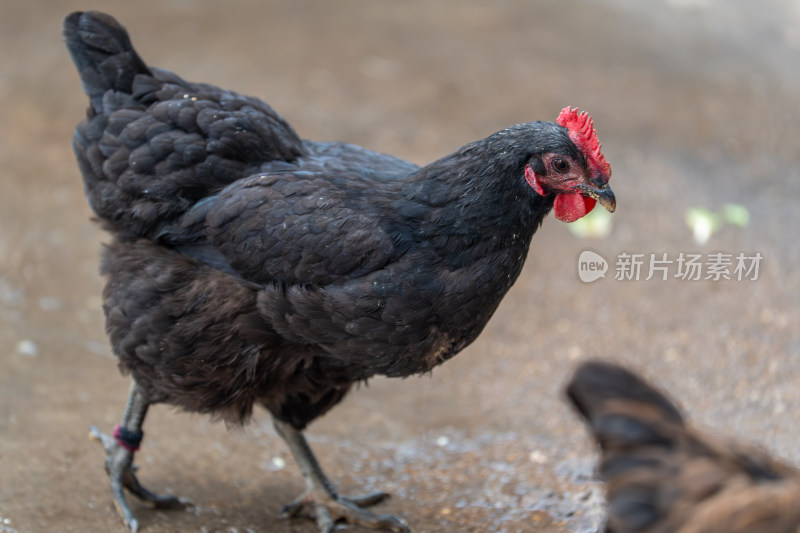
[[250, 266]]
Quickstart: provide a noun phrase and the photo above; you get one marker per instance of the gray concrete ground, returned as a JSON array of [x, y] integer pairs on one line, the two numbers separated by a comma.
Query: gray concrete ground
[[696, 105]]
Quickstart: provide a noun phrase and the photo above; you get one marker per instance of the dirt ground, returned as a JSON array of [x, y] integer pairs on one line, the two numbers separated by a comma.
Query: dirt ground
[[696, 104]]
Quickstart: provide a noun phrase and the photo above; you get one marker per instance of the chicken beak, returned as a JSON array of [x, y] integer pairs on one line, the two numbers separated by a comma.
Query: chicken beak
[[604, 196]]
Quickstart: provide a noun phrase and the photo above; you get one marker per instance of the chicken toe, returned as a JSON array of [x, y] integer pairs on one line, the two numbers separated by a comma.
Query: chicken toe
[[321, 499], [328, 509], [122, 475], [120, 447]]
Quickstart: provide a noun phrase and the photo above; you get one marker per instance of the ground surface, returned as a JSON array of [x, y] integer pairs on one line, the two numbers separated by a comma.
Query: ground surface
[[695, 105]]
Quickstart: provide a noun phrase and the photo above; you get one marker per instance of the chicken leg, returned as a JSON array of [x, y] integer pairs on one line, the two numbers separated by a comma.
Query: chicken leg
[[320, 495], [120, 447]]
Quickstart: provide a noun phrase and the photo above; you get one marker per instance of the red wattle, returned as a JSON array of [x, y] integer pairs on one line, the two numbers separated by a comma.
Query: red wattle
[[569, 207]]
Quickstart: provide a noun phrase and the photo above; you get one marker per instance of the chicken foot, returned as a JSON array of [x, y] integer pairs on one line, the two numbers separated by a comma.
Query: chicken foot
[[326, 505], [120, 447]]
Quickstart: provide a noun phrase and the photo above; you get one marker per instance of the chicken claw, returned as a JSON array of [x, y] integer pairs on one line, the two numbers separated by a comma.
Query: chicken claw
[[321, 498], [327, 509], [120, 448]]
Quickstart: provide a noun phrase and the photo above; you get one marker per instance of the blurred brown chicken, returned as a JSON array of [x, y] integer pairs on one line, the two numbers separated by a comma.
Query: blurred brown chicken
[[662, 475]]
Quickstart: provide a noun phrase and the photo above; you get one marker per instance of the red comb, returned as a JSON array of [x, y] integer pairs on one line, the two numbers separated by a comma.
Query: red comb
[[582, 133]]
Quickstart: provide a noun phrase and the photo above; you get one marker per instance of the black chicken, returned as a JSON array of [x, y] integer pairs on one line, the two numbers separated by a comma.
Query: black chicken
[[662, 476], [251, 266]]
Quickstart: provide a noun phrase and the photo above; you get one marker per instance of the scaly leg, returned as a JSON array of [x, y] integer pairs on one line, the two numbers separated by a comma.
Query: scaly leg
[[320, 495], [120, 447]]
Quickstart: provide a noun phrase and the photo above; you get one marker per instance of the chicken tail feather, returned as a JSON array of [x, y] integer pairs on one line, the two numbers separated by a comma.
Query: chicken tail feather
[[103, 54], [639, 431], [621, 408]]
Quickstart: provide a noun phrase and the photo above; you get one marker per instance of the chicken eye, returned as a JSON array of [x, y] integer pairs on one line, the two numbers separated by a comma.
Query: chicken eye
[[561, 165]]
